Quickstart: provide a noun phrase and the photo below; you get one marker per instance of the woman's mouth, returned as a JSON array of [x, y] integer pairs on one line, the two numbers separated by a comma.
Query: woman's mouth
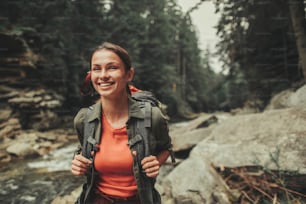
[[105, 84]]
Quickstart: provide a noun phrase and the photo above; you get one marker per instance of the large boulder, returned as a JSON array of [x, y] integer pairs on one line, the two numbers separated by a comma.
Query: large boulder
[[288, 98], [280, 100], [195, 181], [298, 98], [274, 140]]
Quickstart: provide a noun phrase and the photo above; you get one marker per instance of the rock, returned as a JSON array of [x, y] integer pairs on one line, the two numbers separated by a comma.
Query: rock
[[23, 102], [49, 136], [190, 139], [273, 139], [288, 98], [5, 114], [19, 86], [10, 128], [280, 100], [28, 137], [36, 108], [298, 99], [22, 150], [187, 136], [50, 104], [68, 199], [249, 106], [195, 181], [9, 95], [4, 157]]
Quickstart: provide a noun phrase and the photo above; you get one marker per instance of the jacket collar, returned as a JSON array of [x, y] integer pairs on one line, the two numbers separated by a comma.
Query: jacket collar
[[96, 112], [135, 110]]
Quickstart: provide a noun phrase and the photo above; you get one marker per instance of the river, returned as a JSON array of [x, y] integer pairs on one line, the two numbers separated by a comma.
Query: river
[[42, 179], [38, 180]]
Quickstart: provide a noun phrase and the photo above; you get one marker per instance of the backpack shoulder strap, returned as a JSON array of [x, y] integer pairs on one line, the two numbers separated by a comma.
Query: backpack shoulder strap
[[89, 142], [89, 145], [144, 127]]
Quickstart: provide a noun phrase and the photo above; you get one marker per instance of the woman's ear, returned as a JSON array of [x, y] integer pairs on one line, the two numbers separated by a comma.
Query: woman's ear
[[131, 74]]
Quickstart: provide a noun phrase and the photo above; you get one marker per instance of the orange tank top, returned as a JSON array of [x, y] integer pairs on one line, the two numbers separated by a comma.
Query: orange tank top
[[114, 163]]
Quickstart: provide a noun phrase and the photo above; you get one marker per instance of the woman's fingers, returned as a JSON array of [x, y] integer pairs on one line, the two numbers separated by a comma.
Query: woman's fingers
[[151, 166], [80, 165]]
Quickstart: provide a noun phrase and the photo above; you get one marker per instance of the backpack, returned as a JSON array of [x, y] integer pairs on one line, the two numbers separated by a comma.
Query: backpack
[[146, 100]]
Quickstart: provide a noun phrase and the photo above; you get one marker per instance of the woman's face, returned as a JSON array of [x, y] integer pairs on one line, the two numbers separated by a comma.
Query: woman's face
[[109, 75]]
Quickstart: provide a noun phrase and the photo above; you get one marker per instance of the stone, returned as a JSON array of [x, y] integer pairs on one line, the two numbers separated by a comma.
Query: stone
[[195, 181], [298, 98], [5, 114], [10, 128], [187, 136], [273, 139], [67, 199], [280, 100], [22, 150]]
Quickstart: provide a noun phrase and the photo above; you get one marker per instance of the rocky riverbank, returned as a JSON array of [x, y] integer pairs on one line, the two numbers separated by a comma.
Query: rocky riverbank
[[30, 114]]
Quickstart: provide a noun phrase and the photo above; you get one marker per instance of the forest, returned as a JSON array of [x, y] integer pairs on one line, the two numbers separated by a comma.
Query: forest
[[45, 49], [262, 48]]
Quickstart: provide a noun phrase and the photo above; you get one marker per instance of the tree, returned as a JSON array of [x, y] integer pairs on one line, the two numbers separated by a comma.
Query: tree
[[64, 33], [297, 13], [257, 41]]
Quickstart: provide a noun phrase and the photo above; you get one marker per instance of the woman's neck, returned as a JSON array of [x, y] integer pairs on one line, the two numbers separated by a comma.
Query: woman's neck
[[116, 111]]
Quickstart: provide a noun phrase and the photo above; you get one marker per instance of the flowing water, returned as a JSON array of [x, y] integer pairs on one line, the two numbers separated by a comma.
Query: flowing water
[[38, 180]]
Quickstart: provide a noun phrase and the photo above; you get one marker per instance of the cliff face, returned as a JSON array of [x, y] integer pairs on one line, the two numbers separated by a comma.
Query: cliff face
[[24, 100]]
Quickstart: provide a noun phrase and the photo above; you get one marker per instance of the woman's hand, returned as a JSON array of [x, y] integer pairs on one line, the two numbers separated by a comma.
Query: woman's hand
[[79, 165], [151, 166]]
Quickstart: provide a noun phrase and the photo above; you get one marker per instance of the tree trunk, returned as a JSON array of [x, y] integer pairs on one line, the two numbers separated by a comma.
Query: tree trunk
[[297, 13]]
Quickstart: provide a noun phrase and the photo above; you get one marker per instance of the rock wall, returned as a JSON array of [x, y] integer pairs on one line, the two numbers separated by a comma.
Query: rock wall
[[27, 107], [23, 97]]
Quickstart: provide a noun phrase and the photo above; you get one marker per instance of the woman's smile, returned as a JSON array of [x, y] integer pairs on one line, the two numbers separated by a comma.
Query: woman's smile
[[106, 84]]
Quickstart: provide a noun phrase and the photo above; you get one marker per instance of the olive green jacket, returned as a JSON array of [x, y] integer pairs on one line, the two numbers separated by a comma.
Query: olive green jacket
[[158, 139]]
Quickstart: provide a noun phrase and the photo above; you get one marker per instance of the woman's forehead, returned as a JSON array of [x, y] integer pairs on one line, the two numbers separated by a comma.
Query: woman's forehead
[[105, 56]]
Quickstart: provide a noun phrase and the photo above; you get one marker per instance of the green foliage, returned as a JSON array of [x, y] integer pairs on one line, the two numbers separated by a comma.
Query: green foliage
[[160, 39], [258, 43]]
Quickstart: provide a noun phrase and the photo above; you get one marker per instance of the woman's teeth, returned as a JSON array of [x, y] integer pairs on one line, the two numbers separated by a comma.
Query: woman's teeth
[[105, 84]]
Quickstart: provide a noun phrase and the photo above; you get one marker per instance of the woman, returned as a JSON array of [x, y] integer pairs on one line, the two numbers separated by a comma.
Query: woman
[[121, 177]]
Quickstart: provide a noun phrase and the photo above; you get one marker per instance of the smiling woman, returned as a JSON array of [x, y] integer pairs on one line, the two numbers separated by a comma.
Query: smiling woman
[[110, 75], [123, 174]]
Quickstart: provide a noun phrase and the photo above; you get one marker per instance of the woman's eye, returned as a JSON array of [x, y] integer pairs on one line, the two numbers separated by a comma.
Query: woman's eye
[[112, 67], [95, 69]]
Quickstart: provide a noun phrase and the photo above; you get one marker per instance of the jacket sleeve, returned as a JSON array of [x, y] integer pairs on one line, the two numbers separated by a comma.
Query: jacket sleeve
[[160, 130], [79, 124]]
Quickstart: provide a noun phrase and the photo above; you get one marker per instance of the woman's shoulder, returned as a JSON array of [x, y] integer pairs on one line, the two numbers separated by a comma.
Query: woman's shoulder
[[79, 117]]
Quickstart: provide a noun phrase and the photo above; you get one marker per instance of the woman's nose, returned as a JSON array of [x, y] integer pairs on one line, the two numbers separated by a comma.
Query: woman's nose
[[104, 74]]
